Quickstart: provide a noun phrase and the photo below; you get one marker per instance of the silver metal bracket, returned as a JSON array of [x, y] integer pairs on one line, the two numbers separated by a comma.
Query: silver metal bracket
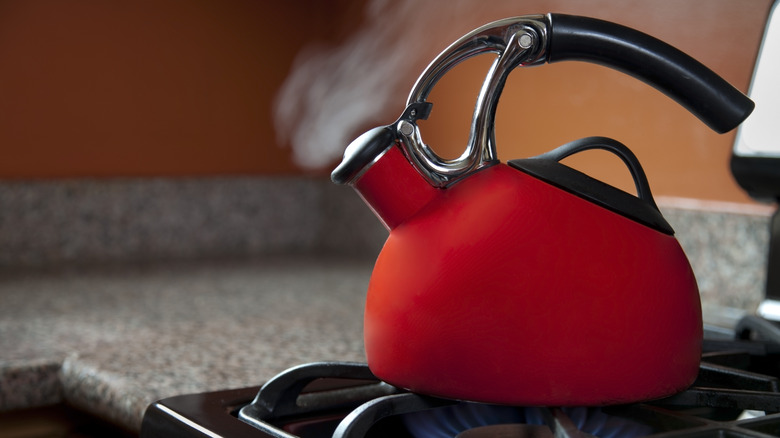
[[518, 41]]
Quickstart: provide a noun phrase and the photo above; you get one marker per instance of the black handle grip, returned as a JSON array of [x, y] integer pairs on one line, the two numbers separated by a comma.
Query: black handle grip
[[705, 94]]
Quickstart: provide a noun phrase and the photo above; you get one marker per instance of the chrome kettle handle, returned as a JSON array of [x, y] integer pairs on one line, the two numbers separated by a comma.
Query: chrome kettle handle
[[518, 41], [535, 39]]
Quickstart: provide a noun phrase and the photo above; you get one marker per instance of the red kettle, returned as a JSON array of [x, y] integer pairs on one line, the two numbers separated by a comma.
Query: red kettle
[[531, 283]]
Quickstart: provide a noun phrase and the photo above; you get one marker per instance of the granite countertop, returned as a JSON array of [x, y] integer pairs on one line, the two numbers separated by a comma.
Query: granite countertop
[[111, 340]]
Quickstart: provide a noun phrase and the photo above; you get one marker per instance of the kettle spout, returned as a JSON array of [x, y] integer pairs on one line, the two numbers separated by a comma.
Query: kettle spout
[[376, 167]]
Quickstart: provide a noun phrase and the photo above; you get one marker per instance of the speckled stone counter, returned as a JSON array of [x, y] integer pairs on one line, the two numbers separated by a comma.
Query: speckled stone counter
[[116, 293], [111, 340]]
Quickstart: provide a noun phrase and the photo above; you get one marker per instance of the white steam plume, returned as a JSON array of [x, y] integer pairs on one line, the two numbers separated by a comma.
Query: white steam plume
[[332, 92]]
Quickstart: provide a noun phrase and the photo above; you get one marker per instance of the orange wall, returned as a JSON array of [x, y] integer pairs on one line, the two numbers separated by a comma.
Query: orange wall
[[149, 87], [184, 87]]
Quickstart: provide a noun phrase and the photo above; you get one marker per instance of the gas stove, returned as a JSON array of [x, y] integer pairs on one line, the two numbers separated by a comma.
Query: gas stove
[[736, 394]]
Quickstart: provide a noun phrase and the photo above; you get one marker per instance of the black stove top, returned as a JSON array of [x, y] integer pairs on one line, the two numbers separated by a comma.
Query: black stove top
[[735, 395]]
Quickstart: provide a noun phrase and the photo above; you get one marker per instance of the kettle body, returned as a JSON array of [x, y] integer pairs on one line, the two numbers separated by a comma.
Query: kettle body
[[528, 282], [529, 295]]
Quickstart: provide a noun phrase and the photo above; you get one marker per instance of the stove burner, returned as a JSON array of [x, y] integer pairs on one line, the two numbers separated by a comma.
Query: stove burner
[[507, 431], [578, 422], [454, 420], [344, 400]]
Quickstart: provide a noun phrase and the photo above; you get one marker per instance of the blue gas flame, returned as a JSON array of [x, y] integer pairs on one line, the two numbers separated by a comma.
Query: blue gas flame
[[449, 421]]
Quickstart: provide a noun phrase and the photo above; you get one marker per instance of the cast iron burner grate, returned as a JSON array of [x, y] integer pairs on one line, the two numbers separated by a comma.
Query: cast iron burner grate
[[738, 379]]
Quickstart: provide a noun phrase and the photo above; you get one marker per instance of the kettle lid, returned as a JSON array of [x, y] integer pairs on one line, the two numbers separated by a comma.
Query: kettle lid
[[640, 208]]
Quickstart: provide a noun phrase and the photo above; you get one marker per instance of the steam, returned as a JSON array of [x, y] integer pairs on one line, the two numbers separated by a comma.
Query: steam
[[333, 92]]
